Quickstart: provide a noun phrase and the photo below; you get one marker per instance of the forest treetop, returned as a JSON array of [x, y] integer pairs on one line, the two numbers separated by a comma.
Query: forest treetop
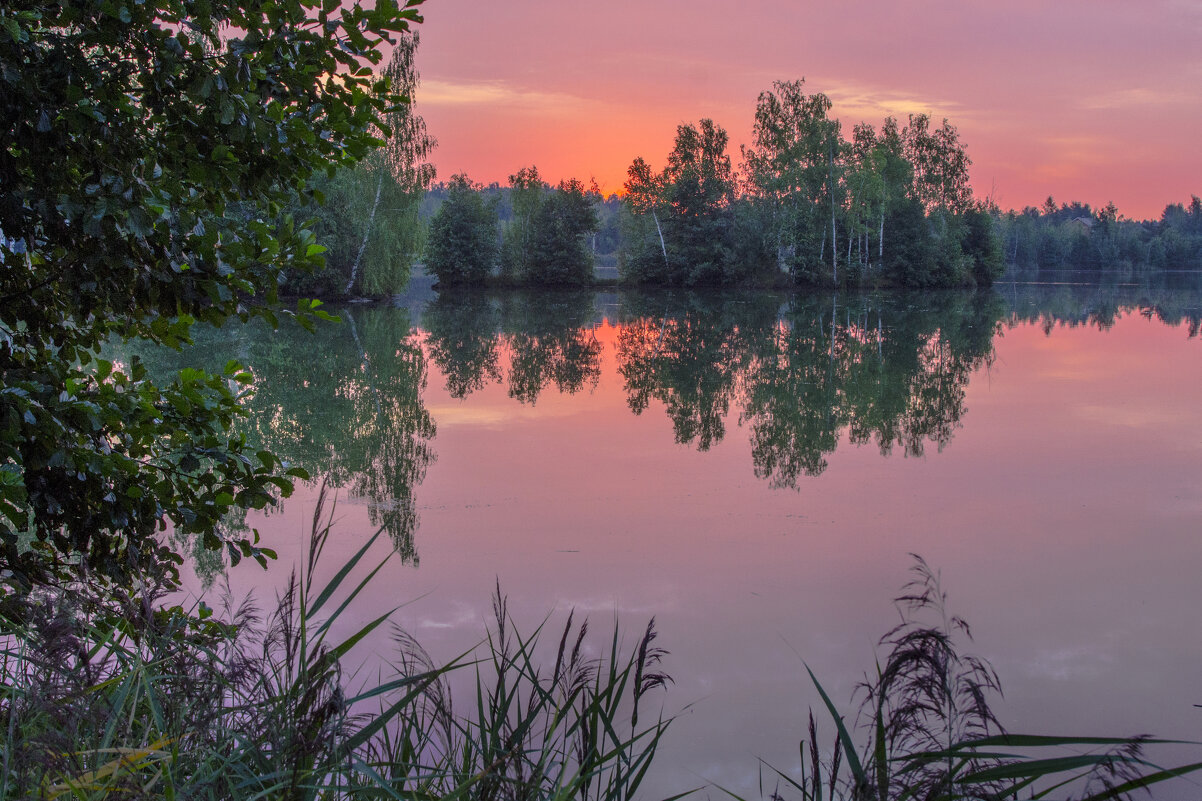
[[892, 206]]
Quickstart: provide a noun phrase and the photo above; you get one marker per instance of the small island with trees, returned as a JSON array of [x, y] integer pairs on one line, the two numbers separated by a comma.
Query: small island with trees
[[807, 207]]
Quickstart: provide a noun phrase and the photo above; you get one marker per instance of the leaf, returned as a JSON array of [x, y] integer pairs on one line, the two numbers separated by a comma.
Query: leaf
[[849, 747]]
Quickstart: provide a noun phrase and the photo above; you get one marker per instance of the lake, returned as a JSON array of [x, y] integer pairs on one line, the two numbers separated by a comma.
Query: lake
[[755, 470]]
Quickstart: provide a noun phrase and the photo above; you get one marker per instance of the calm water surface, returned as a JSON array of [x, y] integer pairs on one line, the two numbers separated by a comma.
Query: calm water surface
[[755, 471]]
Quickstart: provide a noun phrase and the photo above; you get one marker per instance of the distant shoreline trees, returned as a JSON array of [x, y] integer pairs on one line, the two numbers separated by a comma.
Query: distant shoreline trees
[[1078, 236], [805, 207], [890, 206], [547, 237]]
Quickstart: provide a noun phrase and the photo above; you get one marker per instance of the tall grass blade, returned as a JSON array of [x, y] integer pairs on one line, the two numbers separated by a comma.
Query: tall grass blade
[[845, 739]]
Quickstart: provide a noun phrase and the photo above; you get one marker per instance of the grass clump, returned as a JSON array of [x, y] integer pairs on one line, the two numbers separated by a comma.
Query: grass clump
[[925, 729], [113, 694]]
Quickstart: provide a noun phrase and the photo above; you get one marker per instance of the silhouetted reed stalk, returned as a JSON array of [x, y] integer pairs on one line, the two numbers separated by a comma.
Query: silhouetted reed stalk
[[108, 695], [928, 732]]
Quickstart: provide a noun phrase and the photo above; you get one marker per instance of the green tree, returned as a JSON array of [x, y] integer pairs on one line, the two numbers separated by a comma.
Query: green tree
[[151, 147], [644, 198], [526, 190], [940, 186], [700, 187], [865, 182], [791, 168], [462, 243], [940, 164], [563, 224], [983, 245], [368, 219], [897, 175], [691, 205]]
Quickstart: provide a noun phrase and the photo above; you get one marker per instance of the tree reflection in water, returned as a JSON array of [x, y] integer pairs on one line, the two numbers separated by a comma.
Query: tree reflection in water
[[544, 338], [344, 403], [800, 374], [877, 368]]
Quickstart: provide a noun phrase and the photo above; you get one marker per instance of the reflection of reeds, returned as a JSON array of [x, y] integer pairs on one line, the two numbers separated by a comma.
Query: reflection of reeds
[[104, 695], [931, 734]]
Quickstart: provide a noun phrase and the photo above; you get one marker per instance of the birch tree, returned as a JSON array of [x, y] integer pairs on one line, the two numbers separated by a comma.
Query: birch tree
[[792, 168]]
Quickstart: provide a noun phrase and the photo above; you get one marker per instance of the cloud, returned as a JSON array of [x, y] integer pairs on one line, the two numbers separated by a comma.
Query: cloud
[[459, 414], [1069, 663], [1133, 417], [1137, 97], [872, 103], [497, 93], [459, 615]]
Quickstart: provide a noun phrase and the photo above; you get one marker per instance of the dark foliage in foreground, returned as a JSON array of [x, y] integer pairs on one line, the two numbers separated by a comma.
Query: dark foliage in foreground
[[151, 149]]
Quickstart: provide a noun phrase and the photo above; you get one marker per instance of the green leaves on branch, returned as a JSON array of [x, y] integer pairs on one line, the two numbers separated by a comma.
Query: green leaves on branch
[[151, 150], [96, 469]]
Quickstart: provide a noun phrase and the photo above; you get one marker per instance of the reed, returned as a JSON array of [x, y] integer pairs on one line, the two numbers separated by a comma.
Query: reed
[[106, 694], [109, 694], [925, 729]]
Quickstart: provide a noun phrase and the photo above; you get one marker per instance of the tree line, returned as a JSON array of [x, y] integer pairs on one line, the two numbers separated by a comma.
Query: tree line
[[547, 238], [890, 206], [1075, 235], [807, 206]]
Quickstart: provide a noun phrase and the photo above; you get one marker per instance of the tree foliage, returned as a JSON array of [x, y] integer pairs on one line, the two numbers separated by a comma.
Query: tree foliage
[[367, 217], [1075, 235], [888, 206], [527, 341], [790, 170], [544, 240], [462, 243], [525, 197], [353, 419], [694, 239], [152, 150], [564, 221]]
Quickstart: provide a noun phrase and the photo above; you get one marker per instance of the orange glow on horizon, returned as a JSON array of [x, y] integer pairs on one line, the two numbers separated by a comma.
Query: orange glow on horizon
[[1080, 102]]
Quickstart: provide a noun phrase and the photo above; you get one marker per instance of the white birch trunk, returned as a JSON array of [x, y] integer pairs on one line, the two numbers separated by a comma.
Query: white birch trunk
[[660, 231], [366, 234], [834, 240]]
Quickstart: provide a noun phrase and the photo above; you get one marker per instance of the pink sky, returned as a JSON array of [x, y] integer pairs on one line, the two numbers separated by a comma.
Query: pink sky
[[1097, 101]]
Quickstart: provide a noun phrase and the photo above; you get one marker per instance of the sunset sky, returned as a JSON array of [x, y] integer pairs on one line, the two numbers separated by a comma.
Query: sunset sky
[[1097, 101]]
